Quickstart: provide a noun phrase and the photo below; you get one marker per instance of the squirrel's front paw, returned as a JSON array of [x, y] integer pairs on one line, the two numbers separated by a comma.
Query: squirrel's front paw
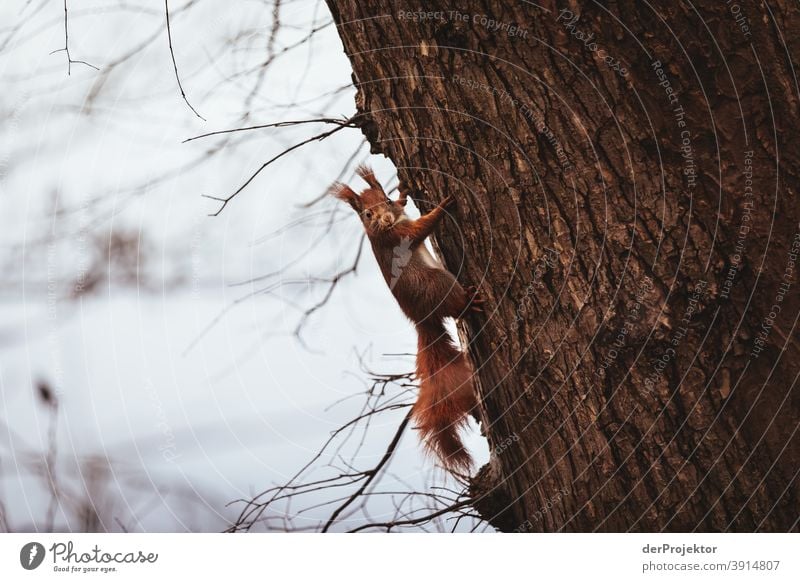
[[448, 202]]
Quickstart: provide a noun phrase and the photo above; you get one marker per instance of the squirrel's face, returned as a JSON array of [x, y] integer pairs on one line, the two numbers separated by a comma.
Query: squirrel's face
[[378, 212]]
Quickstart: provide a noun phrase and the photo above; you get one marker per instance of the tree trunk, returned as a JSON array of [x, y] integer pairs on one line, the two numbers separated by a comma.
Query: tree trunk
[[628, 208]]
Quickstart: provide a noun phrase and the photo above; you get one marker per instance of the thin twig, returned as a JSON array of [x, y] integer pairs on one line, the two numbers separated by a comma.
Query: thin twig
[[345, 122], [339, 178], [372, 473], [175, 64], [412, 506], [332, 282], [318, 137], [70, 60], [416, 521]]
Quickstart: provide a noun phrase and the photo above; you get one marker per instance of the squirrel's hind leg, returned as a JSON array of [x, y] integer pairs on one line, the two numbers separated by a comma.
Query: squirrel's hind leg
[[457, 301]]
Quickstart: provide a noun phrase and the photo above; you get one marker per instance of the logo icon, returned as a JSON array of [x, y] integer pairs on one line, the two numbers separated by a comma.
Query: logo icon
[[31, 555], [401, 255]]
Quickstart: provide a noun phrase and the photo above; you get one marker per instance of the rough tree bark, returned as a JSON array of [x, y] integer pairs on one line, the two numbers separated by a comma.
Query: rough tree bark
[[627, 205]]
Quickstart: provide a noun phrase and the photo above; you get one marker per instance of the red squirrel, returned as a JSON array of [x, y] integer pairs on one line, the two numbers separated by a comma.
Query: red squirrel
[[427, 293]]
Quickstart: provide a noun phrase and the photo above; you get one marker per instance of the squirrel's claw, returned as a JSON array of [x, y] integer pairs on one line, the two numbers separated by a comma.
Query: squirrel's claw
[[475, 302]]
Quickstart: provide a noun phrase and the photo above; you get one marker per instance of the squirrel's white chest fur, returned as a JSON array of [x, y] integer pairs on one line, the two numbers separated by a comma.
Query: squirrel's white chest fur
[[422, 253], [426, 257]]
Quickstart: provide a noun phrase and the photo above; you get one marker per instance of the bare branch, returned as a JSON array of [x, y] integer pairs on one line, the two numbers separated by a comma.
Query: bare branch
[[372, 473], [348, 163], [421, 505], [416, 521], [175, 64], [70, 60], [318, 137], [333, 281], [345, 122]]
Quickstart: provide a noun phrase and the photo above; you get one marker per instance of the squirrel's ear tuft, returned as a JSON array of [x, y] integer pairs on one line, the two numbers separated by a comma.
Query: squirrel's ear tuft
[[344, 192], [403, 199], [368, 176]]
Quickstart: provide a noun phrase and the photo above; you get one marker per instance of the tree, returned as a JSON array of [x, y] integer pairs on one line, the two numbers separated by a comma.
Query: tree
[[628, 207]]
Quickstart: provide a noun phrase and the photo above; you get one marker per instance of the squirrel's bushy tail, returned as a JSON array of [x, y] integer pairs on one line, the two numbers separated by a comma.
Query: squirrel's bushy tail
[[446, 395]]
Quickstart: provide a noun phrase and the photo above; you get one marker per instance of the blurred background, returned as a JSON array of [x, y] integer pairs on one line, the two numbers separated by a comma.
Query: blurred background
[[160, 367]]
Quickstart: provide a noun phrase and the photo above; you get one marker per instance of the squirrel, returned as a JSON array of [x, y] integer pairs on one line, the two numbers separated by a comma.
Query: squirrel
[[427, 293]]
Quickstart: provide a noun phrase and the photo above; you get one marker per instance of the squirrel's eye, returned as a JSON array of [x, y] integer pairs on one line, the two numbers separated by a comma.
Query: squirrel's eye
[[368, 214]]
